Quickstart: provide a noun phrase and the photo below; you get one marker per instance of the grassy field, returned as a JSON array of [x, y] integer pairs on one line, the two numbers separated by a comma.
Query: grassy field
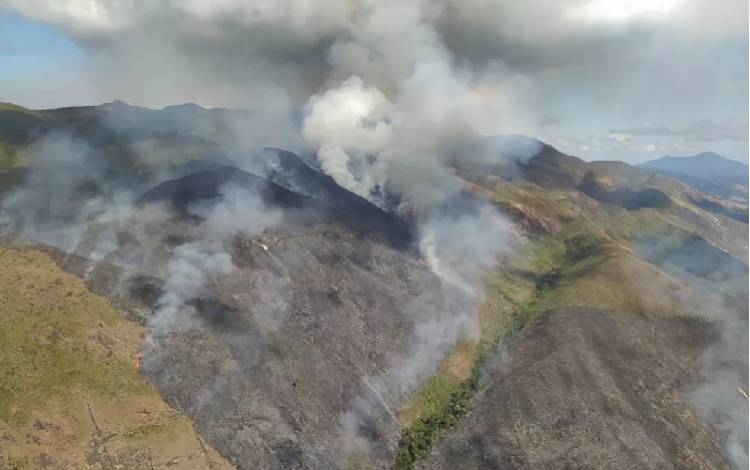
[[71, 393]]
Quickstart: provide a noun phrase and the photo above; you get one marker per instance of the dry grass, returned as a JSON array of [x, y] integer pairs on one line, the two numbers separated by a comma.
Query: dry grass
[[69, 378]]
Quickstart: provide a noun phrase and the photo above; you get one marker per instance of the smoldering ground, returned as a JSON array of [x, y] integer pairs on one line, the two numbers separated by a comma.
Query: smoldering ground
[[715, 290]]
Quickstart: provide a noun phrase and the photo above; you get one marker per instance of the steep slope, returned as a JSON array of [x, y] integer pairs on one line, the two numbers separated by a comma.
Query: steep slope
[[206, 186], [550, 184], [290, 344], [71, 395], [295, 186], [271, 357], [586, 388], [294, 356]]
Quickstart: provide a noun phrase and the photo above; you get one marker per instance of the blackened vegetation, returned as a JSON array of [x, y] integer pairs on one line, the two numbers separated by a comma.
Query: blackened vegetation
[[300, 175], [243, 342], [310, 196], [283, 342], [207, 185]]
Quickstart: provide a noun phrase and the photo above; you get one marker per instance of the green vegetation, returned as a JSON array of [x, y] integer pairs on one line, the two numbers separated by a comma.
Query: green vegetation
[[416, 441], [44, 356], [582, 246], [20, 109], [548, 280], [67, 358], [45, 348], [142, 431], [545, 268], [512, 297]]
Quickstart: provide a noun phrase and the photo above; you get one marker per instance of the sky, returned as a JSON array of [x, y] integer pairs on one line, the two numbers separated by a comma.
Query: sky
[[600, 79]]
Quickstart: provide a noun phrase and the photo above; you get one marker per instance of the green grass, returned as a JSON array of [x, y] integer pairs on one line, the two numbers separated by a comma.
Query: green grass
[[45, 348], [578, 255], [416, 441], [144, 431], [44, 356], [20, 109], [8, 156]]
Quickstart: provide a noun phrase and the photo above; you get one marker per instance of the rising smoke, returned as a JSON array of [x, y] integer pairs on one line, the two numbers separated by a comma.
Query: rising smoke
[[387, 96]]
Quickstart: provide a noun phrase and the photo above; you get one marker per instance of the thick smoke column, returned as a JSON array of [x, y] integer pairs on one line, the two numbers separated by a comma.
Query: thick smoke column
[[396, 109]]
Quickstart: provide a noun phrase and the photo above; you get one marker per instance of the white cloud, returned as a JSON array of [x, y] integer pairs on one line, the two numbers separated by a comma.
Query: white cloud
[[623, 10]]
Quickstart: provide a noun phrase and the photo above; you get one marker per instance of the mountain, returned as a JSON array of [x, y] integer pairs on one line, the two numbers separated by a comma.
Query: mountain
[[547, 419], [707, 172], [242, 303]]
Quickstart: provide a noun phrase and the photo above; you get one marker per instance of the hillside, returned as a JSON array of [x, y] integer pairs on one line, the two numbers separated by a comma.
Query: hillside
[[299, 325], [71, 392], [599, 377]]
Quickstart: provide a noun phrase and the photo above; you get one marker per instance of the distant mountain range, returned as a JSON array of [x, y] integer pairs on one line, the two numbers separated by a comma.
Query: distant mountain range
[[706, 171]]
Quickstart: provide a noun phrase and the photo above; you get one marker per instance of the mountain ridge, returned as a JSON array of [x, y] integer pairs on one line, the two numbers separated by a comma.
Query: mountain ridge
[[296, 328], [706, 171]]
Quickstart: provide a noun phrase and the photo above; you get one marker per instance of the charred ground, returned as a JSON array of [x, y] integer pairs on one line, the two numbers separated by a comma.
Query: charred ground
[[587, 346]]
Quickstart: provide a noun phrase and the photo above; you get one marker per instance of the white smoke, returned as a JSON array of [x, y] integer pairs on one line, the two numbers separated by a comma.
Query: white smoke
[[398, 106], [399, 100], [344, 122], [461, 247], [191, 266], [194, 264]]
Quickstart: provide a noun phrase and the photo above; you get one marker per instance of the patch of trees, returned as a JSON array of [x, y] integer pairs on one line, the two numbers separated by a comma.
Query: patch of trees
[[582, 246], [416, 441]]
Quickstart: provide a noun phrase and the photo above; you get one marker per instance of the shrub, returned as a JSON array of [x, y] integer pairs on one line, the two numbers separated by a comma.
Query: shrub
[[582, 246]]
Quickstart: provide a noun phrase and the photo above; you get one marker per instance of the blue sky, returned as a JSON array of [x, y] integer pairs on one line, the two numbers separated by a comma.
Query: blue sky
[[30, 48], [40, 65]]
